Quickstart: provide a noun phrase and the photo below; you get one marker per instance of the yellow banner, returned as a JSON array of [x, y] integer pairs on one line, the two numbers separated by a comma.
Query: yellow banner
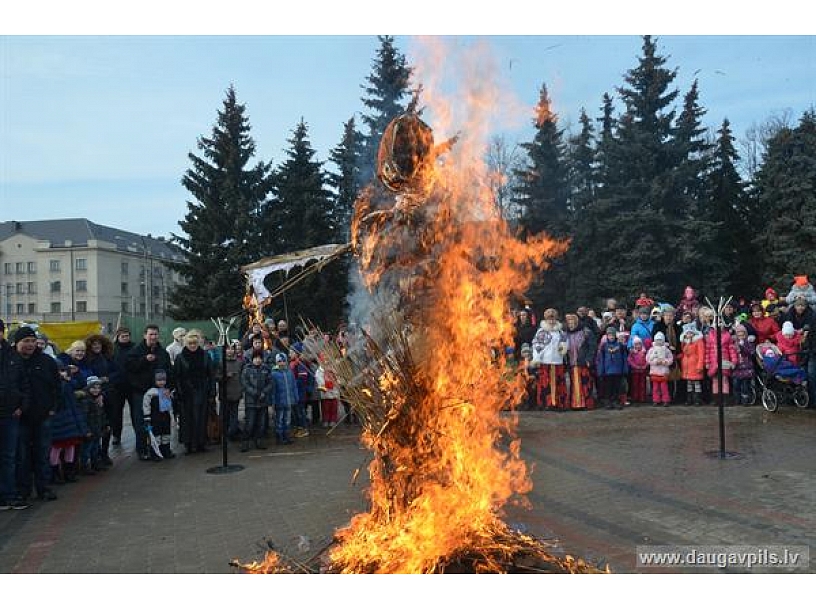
[[65, 333]]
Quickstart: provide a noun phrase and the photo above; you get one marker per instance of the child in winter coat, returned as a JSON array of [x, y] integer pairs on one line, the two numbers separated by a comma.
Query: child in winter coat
[[790, 342], [729, 361], [285, 397], [93, 405], [256, 381], [157, 407], [744, 371], [638, 367], [660, 358], [692, 363], [329, 395], [612, 366], [69, 429]]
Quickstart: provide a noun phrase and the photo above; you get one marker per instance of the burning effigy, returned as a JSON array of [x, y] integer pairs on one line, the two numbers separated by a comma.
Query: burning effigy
[[440, 265]]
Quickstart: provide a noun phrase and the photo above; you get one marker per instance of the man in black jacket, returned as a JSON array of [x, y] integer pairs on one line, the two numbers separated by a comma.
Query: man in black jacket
[[39, 384], [142, 363], [120, 388], [10, 412]]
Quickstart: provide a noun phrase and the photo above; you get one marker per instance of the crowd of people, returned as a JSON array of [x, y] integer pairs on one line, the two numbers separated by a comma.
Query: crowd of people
[[663, 353], [61, 412]]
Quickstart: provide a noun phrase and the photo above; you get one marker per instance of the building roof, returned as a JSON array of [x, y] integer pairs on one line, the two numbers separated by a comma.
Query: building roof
[[80, 230]]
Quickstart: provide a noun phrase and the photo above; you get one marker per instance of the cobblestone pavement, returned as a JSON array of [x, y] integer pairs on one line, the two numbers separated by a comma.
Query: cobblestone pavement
[[604, 483]]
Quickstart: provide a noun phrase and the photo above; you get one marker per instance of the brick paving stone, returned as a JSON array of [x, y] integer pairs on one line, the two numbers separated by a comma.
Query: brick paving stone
[[603, 483]]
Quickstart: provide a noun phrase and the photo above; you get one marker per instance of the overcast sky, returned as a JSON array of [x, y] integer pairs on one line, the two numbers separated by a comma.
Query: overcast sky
[[100, 126]]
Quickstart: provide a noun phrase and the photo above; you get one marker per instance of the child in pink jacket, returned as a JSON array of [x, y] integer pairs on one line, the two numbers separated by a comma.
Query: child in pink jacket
[[730, 358], [638, 368]]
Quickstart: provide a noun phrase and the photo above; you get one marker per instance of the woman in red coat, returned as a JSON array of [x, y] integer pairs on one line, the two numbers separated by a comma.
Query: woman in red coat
[[730, 357], [765, 327]]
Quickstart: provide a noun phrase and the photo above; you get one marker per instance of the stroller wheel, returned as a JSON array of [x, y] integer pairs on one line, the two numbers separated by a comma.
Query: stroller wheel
[[769, 400], [800, 397]]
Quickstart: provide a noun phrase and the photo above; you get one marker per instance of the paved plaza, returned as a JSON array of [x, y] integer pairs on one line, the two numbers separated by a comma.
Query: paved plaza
[[605, 482]]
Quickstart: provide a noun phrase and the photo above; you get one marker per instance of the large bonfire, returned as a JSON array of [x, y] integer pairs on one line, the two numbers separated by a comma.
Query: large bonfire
[[427, 379]]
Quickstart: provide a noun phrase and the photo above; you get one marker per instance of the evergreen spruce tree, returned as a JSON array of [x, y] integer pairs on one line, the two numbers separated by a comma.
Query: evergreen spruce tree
[[346, 180], [786, 243], [729, 264], [301, 216], [221, 228], [542, 195], [387, 86]]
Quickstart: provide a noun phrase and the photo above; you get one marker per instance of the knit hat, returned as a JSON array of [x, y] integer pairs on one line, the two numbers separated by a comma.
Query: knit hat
[[93, 380], [280, 357], [659, 336], [611, 330], [23, 333], [770, 353], [800, 280], [740, 328], [637, 340], [771, 292], [160, 375], [787, 329]]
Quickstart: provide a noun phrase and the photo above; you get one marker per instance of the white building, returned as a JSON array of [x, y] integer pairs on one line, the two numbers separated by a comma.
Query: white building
[[74, 269]]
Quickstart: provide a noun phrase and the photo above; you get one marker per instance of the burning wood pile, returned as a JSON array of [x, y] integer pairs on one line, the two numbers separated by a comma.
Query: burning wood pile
[[424, 379]]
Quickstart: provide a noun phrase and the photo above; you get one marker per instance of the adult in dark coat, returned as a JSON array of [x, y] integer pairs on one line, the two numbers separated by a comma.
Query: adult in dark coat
[[10, 412], [38, 380], [195, 387], [119, 385], [800, 315], [142, 363], [525, 331]]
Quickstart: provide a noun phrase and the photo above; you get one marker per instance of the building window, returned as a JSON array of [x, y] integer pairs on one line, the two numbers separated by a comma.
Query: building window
[[32, 288], [32, 308], [156, 308], [81, 264], [125, 307], [7, 268], [54, 265], [124, 287], [19, 288], [32, 267], [82, 306], [20, 267], [56, 286], [82, 286], [56, 307], [9, 289], [124, 267], [20, 308], [142, 290], [142, 308]]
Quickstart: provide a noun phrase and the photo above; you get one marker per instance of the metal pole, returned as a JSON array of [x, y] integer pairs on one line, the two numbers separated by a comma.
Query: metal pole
[[222, 395], [720, 382]]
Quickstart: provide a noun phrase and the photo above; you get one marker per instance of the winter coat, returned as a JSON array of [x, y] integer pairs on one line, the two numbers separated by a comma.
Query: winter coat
[[194, 376], [612, 359], [745, 363], [808, 318], [643, 330], [10, 397], [94, 411], [659, 358], [40, 384], [692, 363], [637, 361], [766, 328], [581, 344], [790, 346], [326, 383], [256, 382], [120, 353], [141, 372], [525, 333], [284, 392], [672, 332], [730, 357], [304, 379], [77, 379], [549, 344], [69, 422], [806, 291]]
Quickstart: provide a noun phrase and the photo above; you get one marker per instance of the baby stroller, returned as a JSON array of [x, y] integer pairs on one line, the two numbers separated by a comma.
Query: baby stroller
[[779, 379]]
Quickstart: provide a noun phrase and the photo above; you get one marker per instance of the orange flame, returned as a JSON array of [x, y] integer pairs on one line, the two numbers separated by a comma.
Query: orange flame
[[440, 478]]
